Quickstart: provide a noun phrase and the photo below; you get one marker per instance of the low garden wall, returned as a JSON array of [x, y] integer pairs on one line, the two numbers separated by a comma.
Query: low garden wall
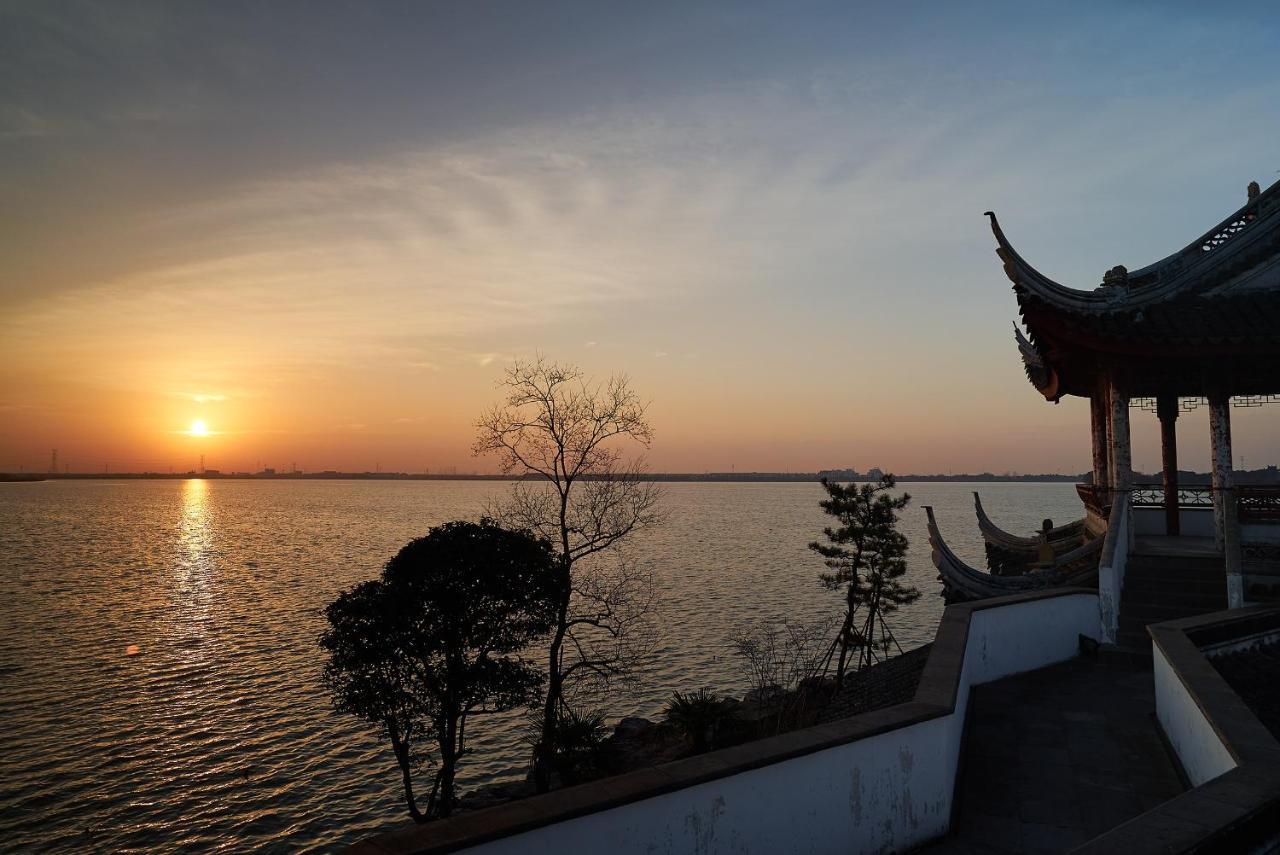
[[882, 780]]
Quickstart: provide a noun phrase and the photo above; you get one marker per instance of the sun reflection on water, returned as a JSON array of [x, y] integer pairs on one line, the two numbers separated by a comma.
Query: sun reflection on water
[[196, 530], [195, 571]]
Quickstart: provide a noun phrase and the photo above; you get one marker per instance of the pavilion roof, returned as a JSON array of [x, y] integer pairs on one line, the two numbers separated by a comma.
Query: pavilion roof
[[1216, 298]]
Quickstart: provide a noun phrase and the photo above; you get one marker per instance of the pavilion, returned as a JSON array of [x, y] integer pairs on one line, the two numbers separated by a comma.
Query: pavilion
[[1199, 327], [1021, 733]]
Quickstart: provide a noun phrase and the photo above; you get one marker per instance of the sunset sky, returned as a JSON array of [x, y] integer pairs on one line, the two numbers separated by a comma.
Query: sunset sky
[[324, 236]]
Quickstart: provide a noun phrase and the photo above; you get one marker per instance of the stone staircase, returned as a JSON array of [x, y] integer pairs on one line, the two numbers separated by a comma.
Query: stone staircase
[[1165, 587]]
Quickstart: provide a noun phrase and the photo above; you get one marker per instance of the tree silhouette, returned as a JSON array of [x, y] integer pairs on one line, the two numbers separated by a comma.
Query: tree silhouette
[[437, 640], [866, 555], [566, 434]]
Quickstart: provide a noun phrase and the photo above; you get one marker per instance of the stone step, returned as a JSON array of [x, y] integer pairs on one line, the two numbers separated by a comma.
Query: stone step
[[1134, 653], [1129, 639], [1142, 581], [1167, 568], [1144, 588], [1143, 562], [1158, 612], [1161, 593]]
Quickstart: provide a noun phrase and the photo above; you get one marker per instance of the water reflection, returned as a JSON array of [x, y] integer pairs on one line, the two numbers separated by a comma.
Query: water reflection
[[195, 536], [221, 584], [196, 567]]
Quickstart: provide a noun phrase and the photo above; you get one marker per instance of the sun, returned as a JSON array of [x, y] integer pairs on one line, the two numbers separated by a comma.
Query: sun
[[199, 428]]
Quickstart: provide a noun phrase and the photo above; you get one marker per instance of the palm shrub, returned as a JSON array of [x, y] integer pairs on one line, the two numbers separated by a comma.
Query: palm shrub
[[700, 716], [578, 745]]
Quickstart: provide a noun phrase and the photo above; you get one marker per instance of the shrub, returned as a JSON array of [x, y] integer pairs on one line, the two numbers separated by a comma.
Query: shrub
[[700, 716]]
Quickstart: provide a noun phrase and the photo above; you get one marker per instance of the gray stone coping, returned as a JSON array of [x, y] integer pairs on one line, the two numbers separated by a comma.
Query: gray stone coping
[[1239, 810], [935, 697]]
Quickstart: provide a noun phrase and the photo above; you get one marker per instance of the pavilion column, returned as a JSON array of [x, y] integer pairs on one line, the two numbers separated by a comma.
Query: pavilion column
[[1225, 516], [1098, 406], [1220, 438], [1120, 455], [1167, 410]]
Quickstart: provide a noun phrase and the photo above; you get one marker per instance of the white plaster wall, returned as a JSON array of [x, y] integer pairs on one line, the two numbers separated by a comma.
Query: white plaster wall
[[1026, 636], [883, 793], [1192, 522], [888, 792], [1260, 533], [1202, 754]]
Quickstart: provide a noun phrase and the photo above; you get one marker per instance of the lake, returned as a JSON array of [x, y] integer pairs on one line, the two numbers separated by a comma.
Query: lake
[[214, 732]]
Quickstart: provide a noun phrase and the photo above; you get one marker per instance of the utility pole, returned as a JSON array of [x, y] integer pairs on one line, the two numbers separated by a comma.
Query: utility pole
[[53, 462], [202, 464]]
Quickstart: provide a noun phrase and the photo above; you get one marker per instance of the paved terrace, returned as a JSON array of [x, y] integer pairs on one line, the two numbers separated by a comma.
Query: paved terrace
[[1058, 756]]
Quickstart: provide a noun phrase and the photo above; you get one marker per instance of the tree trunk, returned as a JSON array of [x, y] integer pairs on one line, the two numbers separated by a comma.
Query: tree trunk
[[448, 763], [542, 759], [402, 758], [542, 752], [844, 648]]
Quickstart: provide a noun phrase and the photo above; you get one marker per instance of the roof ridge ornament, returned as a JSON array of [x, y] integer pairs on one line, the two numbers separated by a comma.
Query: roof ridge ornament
[[1116, 276], [1041, 375], [1254, 190]]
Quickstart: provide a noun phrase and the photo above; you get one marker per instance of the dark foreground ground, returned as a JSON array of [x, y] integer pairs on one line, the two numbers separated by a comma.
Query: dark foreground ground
[[1055, 757]]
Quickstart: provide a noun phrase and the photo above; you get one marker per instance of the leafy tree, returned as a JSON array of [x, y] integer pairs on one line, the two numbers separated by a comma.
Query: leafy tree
[[866, 555], [564, 435], [437, 640]]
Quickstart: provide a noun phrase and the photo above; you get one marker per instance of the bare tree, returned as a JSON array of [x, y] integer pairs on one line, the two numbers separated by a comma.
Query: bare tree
[[565, 435], [781, 660]]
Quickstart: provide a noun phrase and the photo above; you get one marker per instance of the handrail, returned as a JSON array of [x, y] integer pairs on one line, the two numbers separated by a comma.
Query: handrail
[[1258, 504], [1152, 496], [1111, 567]]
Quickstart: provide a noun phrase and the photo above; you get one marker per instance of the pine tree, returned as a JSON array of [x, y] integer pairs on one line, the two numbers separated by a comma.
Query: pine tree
[[866, 555]]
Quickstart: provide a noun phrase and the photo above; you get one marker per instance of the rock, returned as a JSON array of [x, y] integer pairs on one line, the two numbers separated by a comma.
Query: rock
[[633, 727], [766, 695], [817, 685], [496, 794]]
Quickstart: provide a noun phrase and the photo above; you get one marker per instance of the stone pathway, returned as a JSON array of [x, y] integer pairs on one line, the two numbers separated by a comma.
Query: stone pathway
[[1055, 757]]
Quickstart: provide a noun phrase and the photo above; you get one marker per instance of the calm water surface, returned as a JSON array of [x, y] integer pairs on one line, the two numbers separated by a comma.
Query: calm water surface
[[217, 734]]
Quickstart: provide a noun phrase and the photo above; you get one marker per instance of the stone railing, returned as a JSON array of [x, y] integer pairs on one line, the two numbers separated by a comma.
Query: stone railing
[[879, 781], [1111, 567], [1258, 504], [1152, 496]]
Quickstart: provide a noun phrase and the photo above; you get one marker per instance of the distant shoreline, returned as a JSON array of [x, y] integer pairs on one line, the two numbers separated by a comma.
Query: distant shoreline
[[672, 477], [1256, 477]]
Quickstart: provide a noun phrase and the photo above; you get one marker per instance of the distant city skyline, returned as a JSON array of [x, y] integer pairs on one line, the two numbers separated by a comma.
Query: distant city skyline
[[322, 237]]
